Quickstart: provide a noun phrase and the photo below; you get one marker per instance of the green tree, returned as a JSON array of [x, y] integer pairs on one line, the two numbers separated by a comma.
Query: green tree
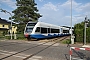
[[79, 31], [79, 25], [26, 11]]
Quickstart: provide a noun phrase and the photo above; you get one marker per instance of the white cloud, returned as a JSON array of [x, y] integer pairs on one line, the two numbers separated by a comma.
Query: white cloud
[[40, 0], [9, 3], [84, 8], [60, 14], [4, 16], [67, 5], [51, 14], [50, 6]]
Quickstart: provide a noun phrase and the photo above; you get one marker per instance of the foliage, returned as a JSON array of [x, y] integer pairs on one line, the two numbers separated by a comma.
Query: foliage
[[88, 35], [20, 28], [26, 11], [79, 32], [8, 37], [68, 41], [79, 25], [20, 37], [79, 35], [5, 32]]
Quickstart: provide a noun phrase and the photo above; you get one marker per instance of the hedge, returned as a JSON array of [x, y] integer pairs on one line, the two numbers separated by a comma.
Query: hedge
[[79, 35]]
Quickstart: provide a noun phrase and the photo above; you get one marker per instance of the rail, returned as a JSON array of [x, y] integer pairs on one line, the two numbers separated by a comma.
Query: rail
[[59, 39]]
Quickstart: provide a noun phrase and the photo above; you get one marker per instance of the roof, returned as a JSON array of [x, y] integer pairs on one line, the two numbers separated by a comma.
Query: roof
[[3, 21]]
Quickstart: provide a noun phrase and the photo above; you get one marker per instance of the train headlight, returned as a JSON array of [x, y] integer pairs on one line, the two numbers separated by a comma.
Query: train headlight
[[26, 35]]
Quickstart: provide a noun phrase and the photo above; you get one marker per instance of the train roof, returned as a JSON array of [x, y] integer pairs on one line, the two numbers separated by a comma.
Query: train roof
[[43, 24], [47, 23], [68, 27]]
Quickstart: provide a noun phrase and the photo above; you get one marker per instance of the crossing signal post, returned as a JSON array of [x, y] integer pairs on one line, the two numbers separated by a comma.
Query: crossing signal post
[[86, 25], [85, 31]]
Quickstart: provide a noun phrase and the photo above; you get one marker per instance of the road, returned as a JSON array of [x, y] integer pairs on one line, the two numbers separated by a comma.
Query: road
[[36, 50]]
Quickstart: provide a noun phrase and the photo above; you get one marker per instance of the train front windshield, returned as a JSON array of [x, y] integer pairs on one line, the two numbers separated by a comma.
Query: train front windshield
[[30, 27]]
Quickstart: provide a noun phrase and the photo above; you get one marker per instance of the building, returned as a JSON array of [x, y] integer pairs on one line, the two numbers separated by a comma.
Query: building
[[5, 27]]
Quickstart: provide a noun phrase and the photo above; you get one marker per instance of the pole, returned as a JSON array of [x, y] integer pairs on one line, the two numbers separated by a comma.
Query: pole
[[11, 24], [72, 42], [85, 31], [85, 35], [70, 53]]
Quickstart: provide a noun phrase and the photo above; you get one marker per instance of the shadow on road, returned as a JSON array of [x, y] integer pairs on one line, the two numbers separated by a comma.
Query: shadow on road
[[67, 56]]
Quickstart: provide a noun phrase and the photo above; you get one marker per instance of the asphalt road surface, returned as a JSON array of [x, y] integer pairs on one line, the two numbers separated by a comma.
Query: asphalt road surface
[[37, 50]]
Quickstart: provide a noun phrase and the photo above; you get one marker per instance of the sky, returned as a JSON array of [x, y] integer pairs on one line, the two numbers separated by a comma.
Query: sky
[[57, 12]]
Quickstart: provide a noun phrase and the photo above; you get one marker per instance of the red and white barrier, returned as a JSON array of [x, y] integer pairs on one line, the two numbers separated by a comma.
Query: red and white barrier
[[76, 48]]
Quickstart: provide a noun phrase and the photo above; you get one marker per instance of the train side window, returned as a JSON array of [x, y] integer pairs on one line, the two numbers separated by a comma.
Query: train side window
[[54, 30], [43, 30], [65, 31], [29, 29], [37, 29]]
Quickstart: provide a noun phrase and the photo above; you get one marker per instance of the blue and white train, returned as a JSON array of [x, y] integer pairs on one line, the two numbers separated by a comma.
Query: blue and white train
[[40, 30]]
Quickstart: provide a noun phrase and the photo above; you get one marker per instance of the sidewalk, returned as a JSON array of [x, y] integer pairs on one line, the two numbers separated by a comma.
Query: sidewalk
[[86, 46], [80, 45]]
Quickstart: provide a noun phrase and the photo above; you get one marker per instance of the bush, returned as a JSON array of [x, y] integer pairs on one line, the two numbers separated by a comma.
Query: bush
[[79, 35], [8, 37], [68, 41], [20, 36]]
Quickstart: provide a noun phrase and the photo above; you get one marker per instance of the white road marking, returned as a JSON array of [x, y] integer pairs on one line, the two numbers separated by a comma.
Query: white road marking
[[20, 55], [13, 55], [35, 58], [49, 43], [57, 44], [4, 54], [7, 53]]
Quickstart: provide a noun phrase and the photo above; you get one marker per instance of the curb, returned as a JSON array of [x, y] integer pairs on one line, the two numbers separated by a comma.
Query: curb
[[86, 46]]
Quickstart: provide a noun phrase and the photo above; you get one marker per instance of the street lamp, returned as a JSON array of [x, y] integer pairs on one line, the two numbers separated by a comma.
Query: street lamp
[[11, 19], [72, 40]]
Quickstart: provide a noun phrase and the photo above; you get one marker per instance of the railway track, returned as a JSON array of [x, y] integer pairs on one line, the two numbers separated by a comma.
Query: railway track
[[55, 39]]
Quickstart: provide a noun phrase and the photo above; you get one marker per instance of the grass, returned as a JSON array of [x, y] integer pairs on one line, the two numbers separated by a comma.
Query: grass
[[67, 41], [18, 37]]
